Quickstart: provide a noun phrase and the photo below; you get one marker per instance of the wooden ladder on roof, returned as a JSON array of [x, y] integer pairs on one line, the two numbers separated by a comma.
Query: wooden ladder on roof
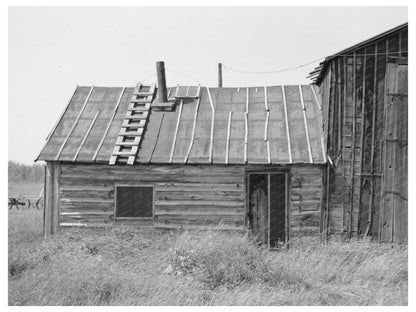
[[129, 138]]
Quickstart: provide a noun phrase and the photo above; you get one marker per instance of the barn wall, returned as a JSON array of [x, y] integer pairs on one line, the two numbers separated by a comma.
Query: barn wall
[[188, 196], [353, 96]]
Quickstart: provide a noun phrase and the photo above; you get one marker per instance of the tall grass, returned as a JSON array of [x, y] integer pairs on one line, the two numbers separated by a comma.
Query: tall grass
[[126, 266]]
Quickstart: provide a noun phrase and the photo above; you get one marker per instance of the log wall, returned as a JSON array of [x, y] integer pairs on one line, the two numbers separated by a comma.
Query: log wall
[[184, 196], [353, 98]]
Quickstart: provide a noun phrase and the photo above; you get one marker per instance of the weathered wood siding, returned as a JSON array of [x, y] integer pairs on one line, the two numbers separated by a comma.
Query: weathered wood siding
[[353, 96], [306, 200], [184, 196]]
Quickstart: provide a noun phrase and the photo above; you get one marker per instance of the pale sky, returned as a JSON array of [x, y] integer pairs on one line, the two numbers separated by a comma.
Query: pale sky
[[51, 50]]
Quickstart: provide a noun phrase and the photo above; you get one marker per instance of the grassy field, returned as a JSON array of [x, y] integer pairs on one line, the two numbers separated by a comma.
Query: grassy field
[[122, 266], [27, 189]]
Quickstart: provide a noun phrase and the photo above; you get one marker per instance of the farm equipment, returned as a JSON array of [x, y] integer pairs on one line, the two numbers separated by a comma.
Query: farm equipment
[[24, 202], [19, 202]]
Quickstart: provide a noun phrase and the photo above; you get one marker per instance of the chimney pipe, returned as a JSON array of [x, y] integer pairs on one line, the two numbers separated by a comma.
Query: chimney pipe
[[161, 82], [219, 75]]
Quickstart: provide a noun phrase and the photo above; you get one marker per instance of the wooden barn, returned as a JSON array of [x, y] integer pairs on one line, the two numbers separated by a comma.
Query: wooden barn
[[273, 158], [364, 100]]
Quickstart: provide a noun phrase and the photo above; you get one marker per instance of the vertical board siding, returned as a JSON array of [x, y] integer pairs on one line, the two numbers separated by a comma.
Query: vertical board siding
[[353, 90]]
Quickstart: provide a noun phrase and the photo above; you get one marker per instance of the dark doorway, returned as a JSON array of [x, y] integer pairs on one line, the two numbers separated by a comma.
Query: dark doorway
[[258, 208], [267, 209]]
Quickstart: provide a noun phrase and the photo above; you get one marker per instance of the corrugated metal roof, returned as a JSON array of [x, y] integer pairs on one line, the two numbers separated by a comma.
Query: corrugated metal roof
[[317, 74], [205, 132]]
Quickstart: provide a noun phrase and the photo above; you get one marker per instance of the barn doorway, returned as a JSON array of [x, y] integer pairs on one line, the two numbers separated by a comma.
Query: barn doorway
[[267, 215]]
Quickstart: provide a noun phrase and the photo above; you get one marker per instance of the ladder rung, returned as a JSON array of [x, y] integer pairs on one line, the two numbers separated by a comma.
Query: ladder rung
[[124, 154], [133, 151], [148, 93], [138, 132], [126, 143], [120, 140], [134, 107], [136, 117], [147, 99], [127, 123]]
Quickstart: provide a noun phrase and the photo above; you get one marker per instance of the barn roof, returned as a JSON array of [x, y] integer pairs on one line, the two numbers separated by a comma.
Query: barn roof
[[317, 74], [208, 129]]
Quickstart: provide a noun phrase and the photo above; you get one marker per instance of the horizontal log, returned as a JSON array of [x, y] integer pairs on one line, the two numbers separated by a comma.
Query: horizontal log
[[205, 214], [99, 195], [137, 222], [197, 227], [157, 170], [211, 208], [206, 196], [79, 179], [192, 220], [80, 224], [71, 206], [85, 218], [88, 188], [228, 187], [199, 202], [85, 200], [86, 213]]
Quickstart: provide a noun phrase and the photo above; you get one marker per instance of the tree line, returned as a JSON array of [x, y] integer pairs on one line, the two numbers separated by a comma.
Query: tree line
[[25, 173]]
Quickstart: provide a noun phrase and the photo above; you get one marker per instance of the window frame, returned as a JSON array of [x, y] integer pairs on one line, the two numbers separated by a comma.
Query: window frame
[[134, 218]]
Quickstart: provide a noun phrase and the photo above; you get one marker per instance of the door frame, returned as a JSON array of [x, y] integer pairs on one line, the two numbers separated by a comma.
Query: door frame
[[282, 171]]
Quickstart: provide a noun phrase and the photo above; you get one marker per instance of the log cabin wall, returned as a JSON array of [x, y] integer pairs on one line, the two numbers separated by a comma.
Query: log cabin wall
[[353, 94], [184, 196]]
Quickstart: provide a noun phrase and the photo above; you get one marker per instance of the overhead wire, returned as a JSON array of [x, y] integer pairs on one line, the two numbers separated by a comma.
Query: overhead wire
[[306, 64]]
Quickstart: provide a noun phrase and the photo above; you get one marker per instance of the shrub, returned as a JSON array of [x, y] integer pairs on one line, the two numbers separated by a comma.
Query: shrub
[[218, 258]]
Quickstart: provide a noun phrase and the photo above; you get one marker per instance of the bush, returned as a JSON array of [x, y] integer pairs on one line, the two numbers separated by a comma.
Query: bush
[[217, 260]]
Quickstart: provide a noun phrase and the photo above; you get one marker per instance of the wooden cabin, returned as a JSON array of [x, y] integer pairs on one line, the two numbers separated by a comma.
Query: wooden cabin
[[326, 158], [205, 157], [364, 99]]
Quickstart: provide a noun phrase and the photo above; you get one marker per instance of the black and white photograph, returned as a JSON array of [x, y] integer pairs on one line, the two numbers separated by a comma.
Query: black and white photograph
[[207, 155]]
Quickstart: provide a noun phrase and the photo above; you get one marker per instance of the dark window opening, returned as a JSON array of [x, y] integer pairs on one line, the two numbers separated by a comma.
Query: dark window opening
[[134, 202]]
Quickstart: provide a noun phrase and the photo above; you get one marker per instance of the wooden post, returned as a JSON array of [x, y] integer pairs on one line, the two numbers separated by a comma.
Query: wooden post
[[161, 82], [350, 220], [56, 198], [219, 75], [361, 142], [373, 121], [344, 121], [328, 177], [49, 191]]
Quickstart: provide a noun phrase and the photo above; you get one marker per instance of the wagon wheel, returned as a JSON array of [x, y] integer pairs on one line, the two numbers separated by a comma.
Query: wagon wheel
[[39, 203], [10, 204], [27, 203]]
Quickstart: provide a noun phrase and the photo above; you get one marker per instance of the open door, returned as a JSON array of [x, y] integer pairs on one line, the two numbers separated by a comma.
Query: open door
[[267, 207]]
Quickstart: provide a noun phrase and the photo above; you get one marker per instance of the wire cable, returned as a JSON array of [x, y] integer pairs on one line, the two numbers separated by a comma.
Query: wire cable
[[306, 64]]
